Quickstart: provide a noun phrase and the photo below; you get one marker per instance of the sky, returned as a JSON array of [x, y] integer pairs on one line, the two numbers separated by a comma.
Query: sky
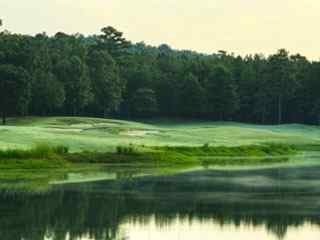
[[238, 26]]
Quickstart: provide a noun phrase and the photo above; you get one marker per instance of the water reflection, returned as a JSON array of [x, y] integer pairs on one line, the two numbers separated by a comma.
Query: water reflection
[[261, 204]]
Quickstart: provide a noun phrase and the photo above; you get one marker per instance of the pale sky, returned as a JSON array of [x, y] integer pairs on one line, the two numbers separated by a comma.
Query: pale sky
[[239, 26]]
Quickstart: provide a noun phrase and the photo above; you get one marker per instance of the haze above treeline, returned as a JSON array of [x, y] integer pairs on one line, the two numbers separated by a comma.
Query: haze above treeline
[[107, 75], [241, 26]]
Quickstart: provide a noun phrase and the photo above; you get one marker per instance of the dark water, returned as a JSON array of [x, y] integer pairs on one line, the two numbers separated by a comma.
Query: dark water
[[208, 204]]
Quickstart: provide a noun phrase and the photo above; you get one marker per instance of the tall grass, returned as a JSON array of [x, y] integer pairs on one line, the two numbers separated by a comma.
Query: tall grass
[[38, 151], [239, 151], [188, 155]]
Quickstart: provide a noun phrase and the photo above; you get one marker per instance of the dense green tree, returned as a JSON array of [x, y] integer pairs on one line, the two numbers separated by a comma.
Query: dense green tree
[[106, 82], [247, 86], [168, 71], [192, 97], [144, 103], [310, 94], [75, 77], [14, 90], [167, 91], [15, 49], [296, 110], [222, 95], [137, 75], [281, 80], [48, 93], [112, 40], [316, 110]]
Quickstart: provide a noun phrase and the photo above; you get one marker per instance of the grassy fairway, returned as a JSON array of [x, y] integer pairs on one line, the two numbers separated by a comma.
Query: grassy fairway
[[91, 140], [103, 135]]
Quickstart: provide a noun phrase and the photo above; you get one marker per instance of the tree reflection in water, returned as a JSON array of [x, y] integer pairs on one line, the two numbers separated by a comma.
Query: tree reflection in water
[[97, 209]]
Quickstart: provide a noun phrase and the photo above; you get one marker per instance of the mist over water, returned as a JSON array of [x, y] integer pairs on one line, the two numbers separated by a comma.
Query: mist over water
[[275, 203]]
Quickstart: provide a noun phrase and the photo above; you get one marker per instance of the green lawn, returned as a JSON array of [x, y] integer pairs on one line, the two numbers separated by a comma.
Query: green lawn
[[103, 135]]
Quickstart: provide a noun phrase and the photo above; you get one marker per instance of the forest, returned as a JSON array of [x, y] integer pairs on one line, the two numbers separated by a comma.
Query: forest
[[106, 75]]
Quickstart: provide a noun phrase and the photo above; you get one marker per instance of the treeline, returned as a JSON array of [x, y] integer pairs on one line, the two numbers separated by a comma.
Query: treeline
[[106, 75]]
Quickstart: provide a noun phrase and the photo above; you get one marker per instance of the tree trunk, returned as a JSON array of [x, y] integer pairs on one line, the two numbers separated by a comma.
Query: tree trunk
[[279, 110], [263, 117], [74, 111], [4, 120]]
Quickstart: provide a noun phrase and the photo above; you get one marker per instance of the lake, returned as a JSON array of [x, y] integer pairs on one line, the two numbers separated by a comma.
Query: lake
[[263, 203]]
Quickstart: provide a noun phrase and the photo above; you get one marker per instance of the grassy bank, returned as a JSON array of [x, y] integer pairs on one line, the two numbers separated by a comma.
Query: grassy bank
[[35, 169], [186, 155], [44, 156]]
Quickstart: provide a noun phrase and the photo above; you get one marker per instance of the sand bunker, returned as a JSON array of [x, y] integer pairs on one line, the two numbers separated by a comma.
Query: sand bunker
[[139, 133]]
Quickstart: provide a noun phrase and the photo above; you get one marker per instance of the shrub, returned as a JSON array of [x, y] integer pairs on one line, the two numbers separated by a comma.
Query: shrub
[[41, 151], [126, 150], [206, 146], [61, 149], [119, 149]]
